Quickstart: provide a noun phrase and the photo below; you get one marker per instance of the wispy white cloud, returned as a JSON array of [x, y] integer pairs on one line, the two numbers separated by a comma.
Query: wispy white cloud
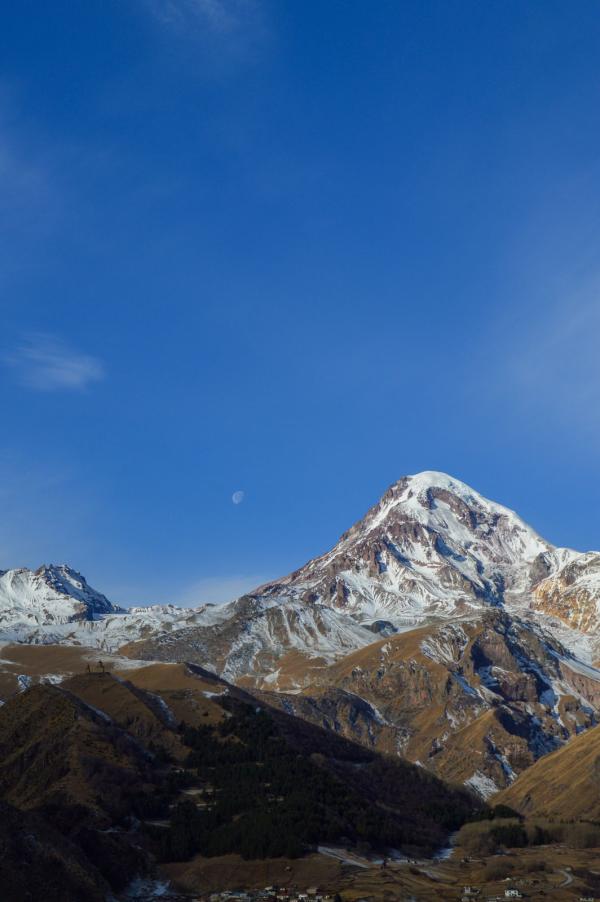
[[539, 355], [20, 179], [561, 355], [551, 366], [28, 196], [46, 363], [220, 16], [217, 590], [229, 33]]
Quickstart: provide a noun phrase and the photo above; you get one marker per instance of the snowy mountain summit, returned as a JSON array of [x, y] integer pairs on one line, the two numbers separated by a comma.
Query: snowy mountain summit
[[50, 595], [431, 547]]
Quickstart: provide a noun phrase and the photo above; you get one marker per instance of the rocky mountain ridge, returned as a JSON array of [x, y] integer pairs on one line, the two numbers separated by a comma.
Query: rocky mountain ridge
[[564, 785]]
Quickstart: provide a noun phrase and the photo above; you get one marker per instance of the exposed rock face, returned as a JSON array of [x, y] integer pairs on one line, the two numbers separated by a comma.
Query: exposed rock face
[[571, 591], [250, 636]]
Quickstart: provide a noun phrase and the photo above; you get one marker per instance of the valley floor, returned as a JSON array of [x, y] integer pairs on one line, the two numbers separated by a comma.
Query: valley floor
[[555, 872]]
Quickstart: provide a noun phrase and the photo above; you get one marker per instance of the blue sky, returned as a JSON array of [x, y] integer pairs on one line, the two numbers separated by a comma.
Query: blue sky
[[294, 250]]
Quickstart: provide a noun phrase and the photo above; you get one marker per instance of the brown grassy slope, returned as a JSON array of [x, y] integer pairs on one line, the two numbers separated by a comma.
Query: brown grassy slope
[[564, 784], [188, 695], [131, 708], [37, 660], [71, 764]]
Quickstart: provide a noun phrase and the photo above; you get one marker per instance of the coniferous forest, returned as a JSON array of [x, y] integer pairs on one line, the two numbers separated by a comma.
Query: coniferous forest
[[263, 798]]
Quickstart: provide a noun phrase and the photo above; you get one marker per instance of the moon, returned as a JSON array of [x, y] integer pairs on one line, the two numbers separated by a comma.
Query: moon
[[237, 497]]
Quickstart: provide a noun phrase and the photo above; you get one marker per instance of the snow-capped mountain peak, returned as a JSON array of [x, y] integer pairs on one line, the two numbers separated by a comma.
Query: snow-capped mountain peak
[[449, 506], [52, 594], [67, 581], [432, 546]]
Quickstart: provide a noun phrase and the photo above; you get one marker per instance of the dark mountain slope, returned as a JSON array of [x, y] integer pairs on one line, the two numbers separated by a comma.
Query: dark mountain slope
[[37, 862], [57, 751], [81, 777], [276, 785]]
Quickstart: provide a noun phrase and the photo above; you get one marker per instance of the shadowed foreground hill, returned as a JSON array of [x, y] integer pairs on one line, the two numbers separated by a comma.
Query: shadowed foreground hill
[[68, 775], [89, 763], [108, 782], [59, 753], [37, 862], [564, 784]]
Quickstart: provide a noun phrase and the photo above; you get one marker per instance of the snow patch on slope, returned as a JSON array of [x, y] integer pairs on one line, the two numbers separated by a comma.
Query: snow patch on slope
[[483, 785]]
